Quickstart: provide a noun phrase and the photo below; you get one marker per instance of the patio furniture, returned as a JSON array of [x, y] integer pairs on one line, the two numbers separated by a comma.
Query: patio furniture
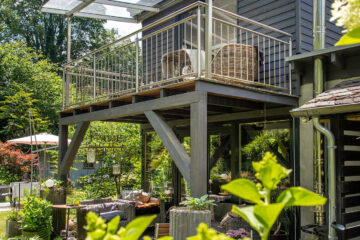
[[107, 209], [145, 204], [162, 230], [181, 62], [67, 207], [237, 61]]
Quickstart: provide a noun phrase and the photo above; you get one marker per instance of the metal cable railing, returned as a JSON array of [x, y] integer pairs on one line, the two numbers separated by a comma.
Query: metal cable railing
[[170, 51]]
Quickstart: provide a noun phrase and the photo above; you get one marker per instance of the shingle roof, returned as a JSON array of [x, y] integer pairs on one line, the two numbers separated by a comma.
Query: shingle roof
[[347, 92]]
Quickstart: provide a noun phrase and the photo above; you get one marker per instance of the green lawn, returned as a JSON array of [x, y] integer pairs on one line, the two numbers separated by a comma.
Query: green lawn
[[3, 216]]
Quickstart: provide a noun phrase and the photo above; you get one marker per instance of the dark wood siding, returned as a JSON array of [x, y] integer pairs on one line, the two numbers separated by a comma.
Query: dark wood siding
[[333, 33]]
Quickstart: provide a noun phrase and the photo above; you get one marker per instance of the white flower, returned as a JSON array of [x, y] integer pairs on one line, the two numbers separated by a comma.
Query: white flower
[[346, 13]]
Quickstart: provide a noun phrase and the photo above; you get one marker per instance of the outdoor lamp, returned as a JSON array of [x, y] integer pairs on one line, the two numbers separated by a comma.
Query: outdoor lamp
[[49, 183], [91, 155], [116, 169]]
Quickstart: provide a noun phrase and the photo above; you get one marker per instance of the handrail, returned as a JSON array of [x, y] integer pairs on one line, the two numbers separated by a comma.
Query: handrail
[[251, 21], [140, 30]]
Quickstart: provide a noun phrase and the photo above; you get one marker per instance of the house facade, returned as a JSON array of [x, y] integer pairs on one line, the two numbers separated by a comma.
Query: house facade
[[233, 69]]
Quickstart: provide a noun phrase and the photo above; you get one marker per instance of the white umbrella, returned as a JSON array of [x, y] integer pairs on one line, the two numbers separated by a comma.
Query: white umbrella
[[38, 139]]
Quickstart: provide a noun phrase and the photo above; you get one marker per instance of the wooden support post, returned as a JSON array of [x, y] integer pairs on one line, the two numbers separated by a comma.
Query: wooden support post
[[198, 133], [146, 158], [70, 154], [63, 146], [235, 155]]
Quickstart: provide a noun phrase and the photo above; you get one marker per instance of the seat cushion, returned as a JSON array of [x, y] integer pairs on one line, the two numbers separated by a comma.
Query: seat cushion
[[110, 215]]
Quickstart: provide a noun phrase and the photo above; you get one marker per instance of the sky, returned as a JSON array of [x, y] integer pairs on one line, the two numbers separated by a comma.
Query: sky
[[123, 27]]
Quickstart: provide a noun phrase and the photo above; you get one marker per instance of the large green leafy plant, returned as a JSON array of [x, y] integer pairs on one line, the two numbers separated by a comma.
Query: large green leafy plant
[[198, 203], [99, 230], [263, 214], [36, 216]]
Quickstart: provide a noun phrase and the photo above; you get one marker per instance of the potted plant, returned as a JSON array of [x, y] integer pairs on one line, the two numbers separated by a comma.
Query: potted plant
[[36, 218], [184, 220], [12, 224]]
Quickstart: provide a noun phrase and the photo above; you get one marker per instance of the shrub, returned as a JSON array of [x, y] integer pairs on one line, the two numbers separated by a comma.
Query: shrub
[[37, 216], [198, 203]]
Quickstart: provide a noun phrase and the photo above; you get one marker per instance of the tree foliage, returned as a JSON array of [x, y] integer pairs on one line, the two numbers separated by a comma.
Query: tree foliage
[[23, 20], [26, 75], [14, 161], [115, 144]]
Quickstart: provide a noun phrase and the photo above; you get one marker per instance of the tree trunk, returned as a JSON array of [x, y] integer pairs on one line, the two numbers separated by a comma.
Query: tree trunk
[[57, 196], [184, 222]]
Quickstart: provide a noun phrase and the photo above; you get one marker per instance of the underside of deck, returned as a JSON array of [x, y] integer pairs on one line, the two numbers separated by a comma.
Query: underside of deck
[[197, 105], [224, 103]]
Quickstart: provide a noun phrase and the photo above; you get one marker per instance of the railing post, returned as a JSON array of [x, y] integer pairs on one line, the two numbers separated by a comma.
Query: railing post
[[208, 40], [137, 64], [94, 83], [290, 66], [67, 87], [63, 89], [199, 42]]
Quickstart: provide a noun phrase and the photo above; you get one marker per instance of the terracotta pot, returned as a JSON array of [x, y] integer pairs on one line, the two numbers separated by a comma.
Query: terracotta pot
[[12, 229]]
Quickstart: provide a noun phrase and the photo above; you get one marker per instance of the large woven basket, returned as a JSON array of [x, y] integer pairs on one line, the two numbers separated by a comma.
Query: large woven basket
[[237, 61]]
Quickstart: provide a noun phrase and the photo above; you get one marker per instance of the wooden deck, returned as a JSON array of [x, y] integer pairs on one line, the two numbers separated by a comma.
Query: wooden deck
[[222, 97]]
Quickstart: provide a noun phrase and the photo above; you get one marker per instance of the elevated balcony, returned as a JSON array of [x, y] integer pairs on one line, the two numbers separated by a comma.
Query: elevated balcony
[[196, 42]]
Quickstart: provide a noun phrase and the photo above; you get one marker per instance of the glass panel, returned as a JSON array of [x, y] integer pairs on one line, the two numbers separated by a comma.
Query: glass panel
[[106, 10], [100, 9], [61, 4]]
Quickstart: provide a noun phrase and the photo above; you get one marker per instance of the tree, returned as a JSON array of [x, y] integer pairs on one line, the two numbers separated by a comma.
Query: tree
[[25, 71], [14, 161], [18, 111], [23, 20]]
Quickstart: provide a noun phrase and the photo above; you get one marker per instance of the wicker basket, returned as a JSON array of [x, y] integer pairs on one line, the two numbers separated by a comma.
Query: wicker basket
[[236, 61]]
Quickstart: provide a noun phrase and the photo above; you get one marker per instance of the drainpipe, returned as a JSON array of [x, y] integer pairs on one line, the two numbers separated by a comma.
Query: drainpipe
[[319, 43]]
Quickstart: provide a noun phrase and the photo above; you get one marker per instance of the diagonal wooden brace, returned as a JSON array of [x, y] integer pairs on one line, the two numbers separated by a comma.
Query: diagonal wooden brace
[[68, 158], [171, 142]]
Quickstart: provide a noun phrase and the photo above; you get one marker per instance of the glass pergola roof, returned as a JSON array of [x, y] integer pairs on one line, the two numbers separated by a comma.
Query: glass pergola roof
[[116, 10]]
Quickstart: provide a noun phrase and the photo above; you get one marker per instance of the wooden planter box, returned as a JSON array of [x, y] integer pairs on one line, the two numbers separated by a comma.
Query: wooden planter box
[[184, 222], [12, 229]]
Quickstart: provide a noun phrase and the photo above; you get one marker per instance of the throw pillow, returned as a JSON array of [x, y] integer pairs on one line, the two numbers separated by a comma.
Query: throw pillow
[[145, 197]]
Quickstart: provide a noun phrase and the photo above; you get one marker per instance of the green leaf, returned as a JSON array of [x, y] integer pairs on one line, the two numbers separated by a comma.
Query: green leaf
[[97, 234], [113, 225], [245, 189], [349, 38], [298, 196], [135, 228], [247, 213], [267, 215]]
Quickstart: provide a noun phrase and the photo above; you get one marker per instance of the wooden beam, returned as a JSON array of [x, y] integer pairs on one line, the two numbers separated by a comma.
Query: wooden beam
[[141, 98], [239, 116], [115, 103], [246, 93], [171, 142], [63, 146], [176, 101], [234, 103], [94, 108], [69, 157], [198, 134], [166, 92]]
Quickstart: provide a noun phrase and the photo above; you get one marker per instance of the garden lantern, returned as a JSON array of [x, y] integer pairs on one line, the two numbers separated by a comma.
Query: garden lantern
[[116, 169], [91, 155]]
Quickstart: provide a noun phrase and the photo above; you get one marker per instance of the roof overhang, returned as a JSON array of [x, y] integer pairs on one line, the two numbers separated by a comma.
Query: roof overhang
[[115, 10], [327, 110]]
